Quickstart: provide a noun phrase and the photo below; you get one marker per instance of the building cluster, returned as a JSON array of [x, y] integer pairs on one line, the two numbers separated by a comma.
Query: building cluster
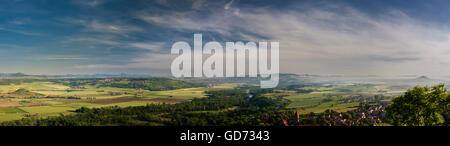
[[105, 80], [361, 98], [367, 115]]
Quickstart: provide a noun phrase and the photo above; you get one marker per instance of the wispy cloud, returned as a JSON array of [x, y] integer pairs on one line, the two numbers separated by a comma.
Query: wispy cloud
[[91, 3], [98, 40], [155, 47], [331, 40], [23, 32], [147, 60], [66, 58], [198, 4], [228, 5], [188, 21], [104, 27]]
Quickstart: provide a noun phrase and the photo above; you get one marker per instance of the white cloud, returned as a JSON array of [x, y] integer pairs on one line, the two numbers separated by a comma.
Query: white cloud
[[145, 61], [107, 40], [149, 60], [17, 22], [228, 5], [198, 4], [91, 3], [186, 21], [329, 41], [104, 27], [66, 58], [29, 33], [155, 47]]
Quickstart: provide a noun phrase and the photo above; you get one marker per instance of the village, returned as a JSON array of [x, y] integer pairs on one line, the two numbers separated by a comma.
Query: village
[[365, 115]]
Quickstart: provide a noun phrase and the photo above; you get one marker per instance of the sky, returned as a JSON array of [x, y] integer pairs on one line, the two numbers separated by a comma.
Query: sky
[[345, 37]]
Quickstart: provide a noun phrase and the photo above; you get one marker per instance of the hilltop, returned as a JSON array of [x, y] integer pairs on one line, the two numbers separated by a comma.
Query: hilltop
[[423, 78], [23, 93]]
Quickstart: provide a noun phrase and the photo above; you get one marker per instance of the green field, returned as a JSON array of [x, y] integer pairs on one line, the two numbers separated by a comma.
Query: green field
[[55, 99], [14, 106], [333, 97]]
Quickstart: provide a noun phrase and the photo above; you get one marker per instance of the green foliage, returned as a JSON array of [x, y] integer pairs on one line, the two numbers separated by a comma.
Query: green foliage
[[421, 106], [304, 90]]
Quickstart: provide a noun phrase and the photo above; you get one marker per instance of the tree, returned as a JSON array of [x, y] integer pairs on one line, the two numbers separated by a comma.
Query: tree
[[421, 106]]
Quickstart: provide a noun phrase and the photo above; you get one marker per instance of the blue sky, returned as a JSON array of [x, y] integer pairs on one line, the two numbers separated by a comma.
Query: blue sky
[[375, 37]]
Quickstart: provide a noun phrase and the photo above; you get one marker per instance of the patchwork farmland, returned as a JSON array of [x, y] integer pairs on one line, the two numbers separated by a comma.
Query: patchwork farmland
[[45, 98]]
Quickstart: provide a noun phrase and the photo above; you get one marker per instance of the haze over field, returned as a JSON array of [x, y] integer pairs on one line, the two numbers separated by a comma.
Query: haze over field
[[385, 38]]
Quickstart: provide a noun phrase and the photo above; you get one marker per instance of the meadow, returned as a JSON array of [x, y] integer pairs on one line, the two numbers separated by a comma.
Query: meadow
[[340, 98], [46, 98], [14, 106]]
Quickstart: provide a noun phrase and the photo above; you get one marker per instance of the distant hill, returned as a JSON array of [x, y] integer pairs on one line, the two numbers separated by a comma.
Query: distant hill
[[285, 79], [21, 93], [19, 74], [423, 78], [74, 76]]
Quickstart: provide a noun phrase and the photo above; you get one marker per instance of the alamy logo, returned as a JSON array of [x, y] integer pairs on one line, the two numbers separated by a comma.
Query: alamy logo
[[213, 66]]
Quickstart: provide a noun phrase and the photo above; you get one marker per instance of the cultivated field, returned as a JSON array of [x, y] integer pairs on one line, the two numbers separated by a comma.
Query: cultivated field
[[339, 98], [45, 98], [34, 99]]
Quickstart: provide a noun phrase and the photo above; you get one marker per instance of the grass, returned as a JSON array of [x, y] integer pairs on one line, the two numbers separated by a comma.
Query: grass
[[327, 97], [16, 113], [55, 106], [332, 106], [11, 110], [188, 93], [314, 102], [10, 116], [227, 86], [131, 103], [43, 110], [303, 102], [34, 86]]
